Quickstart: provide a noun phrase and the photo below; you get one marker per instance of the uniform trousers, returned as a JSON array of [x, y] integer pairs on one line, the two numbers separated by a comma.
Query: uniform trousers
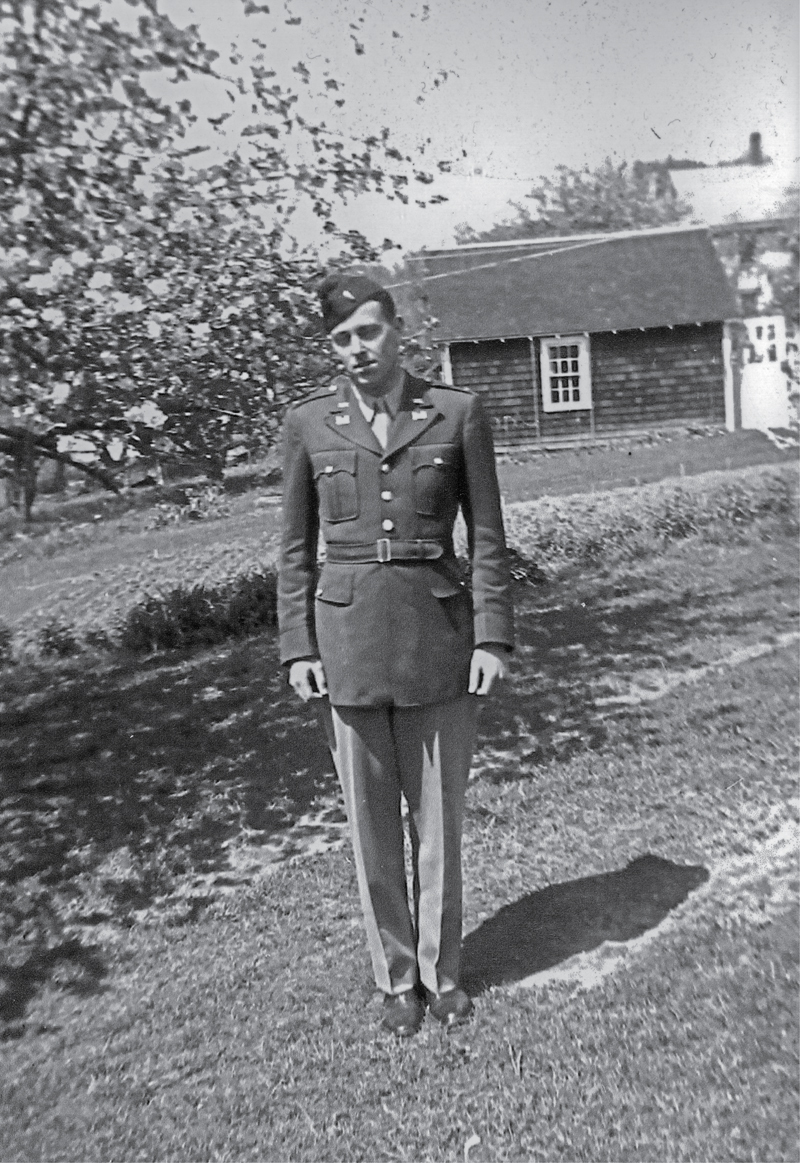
[[423, 753]]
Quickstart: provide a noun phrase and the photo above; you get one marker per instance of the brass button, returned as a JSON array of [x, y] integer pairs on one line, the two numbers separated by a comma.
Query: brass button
[[384, 468], [438, 460], [387, 525], [328, 468], [386, 495]]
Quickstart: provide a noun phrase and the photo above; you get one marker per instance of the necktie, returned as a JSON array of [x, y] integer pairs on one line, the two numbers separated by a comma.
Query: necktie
[[380, 424]]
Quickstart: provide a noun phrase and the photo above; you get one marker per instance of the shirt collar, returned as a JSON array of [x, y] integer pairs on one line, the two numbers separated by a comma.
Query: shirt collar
[[391, 401]]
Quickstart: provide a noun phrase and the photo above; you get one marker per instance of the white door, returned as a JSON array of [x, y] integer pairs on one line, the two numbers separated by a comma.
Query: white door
[[765, 386]]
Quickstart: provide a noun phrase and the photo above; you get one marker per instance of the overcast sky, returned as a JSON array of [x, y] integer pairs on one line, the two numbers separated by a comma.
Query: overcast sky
[[508, 89]]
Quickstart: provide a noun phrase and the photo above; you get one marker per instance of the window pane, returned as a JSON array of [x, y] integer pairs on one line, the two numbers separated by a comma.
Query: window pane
[[574, 365], [576, 395], [553, 367], [575, 381], [562, 351], [554, 396], [573, 351]]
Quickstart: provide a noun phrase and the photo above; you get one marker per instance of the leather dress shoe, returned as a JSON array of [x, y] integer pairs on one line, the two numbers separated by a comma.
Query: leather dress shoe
[[403, 1013], [451, 1008]]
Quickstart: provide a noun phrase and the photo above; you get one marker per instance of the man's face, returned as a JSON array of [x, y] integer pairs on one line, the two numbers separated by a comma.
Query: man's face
[[368, 346]]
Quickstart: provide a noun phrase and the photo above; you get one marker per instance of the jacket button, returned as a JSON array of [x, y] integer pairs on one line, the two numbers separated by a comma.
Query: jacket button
[[384, 468], [319, 593], [386, 495], [438, 460], [387, 525]]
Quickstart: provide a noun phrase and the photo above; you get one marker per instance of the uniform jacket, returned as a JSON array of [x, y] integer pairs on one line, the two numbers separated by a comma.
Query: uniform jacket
[[391, 632]]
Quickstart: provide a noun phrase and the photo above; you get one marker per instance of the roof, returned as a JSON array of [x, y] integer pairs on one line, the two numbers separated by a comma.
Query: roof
[[560, 286]]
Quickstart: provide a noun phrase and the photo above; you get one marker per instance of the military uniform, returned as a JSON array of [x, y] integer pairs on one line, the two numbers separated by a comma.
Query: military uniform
[[394, 625]]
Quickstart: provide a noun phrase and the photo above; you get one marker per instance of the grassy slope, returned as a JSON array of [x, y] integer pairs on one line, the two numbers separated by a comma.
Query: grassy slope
[[252, 1033], [88, 578], [587, 470]]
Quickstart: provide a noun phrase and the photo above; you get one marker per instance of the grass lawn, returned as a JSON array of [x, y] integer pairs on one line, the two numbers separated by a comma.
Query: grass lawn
[[252, 1032], [625, 463], [630, 913]]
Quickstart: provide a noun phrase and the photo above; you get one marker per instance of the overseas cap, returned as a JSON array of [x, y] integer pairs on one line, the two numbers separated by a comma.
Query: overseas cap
[[340, 295]]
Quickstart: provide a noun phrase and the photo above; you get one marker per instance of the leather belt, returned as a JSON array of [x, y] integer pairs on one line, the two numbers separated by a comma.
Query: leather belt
[[382, 550]]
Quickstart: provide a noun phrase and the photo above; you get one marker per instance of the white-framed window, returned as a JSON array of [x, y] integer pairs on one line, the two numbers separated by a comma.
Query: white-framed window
[[566, 377]]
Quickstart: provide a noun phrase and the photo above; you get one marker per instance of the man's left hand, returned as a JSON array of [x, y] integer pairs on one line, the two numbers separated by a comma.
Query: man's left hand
[[489, 663]]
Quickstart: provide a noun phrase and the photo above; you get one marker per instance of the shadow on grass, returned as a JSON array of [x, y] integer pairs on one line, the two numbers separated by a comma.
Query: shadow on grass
[[573, 654], [140, 771], [546, 927], [77, 968]]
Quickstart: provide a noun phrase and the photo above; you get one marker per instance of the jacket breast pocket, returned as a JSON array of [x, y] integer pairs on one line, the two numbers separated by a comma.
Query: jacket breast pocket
[[434, 467], [336, 478]]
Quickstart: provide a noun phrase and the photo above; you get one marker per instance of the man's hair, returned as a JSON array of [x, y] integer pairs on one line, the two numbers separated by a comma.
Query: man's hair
[[387, 305]]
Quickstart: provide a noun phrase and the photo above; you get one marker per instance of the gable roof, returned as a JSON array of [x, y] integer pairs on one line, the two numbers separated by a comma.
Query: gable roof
[[560, 286]]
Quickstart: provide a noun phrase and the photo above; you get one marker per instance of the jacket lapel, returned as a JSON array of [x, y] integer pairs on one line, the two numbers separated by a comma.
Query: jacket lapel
[[346, 418], [416, 415]]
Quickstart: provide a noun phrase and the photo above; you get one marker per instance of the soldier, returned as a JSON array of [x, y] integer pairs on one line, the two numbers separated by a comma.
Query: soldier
[[388, 635]]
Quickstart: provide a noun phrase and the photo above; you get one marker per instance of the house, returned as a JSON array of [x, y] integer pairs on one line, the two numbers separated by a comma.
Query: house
[[588, 336]]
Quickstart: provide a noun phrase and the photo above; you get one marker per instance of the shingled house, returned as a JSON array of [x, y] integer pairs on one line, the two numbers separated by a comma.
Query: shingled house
[[570, 339]]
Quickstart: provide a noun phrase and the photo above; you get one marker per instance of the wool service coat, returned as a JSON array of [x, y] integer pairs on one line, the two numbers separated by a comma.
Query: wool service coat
[[388, 613]]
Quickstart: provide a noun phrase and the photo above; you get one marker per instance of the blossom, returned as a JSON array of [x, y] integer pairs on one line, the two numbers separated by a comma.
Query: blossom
[[41, 282], [147, 413], [54, 316]]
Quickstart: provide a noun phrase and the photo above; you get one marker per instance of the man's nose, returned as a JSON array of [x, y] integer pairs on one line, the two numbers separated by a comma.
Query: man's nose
[[356, 346]]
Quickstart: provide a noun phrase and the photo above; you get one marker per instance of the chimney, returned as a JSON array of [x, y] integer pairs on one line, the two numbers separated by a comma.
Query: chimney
[[754, 155]]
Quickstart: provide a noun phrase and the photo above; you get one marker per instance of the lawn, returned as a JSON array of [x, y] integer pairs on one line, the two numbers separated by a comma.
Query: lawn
[[185, 974]]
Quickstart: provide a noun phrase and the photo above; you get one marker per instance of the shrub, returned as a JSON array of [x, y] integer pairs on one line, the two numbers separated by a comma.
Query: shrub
[[197, 504], [58, 639], [6, 645], [202, 615]]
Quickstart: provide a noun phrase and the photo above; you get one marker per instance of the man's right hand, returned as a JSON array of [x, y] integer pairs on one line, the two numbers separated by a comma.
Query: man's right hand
[[307, 678]]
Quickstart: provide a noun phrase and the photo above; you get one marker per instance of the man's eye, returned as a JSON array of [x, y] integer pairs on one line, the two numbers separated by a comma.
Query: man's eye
[[369, 332], [342, 340]]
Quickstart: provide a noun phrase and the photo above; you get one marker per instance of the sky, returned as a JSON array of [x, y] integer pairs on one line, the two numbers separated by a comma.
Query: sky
[[506, 90]]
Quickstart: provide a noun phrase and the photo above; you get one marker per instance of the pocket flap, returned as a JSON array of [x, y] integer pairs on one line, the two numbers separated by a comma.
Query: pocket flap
[[440, 585], [328, 463], [432, 455], [335, 586]]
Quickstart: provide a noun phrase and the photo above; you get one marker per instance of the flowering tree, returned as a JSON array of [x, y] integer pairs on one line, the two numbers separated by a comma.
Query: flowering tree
[[150, 307]]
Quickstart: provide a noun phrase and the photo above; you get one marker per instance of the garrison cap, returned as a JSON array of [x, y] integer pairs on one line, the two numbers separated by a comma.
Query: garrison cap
[[341, 294]]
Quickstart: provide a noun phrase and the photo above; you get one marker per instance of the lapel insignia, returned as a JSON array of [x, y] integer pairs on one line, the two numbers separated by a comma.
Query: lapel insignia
[[343, 419], [419, 415]]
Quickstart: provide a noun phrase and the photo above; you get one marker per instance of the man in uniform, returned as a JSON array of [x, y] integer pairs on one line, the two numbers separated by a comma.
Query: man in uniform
[[388, 635]]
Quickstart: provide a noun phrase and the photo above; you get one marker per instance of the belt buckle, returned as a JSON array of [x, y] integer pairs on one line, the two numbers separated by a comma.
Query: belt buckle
[[384, 547]]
